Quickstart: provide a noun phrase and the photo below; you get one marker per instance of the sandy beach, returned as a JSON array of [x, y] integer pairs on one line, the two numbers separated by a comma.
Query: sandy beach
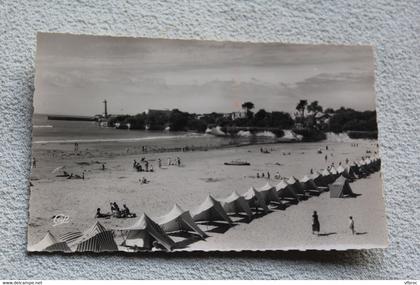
[[202, 173]]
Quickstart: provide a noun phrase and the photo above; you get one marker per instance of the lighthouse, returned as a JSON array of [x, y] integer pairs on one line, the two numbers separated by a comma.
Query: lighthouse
[[105, 109]]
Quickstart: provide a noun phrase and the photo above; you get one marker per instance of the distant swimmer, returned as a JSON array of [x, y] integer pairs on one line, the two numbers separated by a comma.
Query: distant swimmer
[[326, 157]]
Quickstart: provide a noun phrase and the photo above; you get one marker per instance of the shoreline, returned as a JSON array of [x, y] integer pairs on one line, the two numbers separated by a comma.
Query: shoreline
[[201, 173]]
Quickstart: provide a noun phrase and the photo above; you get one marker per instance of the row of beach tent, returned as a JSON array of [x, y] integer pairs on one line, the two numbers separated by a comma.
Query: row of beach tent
[[147, 233]]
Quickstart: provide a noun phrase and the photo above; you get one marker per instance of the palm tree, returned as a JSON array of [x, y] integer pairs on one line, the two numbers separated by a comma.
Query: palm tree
[[301, 107], [248, 106], [314, 107]]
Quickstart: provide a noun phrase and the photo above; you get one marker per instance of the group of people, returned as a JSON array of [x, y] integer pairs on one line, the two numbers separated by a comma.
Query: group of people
[[316, 227], [268, 175], [264, 150], [143, 165], [176, 161], [115, 212]]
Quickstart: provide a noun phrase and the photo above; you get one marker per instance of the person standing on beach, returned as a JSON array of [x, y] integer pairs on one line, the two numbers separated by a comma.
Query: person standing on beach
[[351, 225], [34, 162], [315, 223], [160, 163], [326, 157], [268, 174], [76, 147]]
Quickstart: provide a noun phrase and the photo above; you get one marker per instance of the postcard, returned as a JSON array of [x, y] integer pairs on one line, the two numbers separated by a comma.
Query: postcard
[[183, 145]]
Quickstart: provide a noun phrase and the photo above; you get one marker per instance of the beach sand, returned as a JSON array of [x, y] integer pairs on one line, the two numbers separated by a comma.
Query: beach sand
[[203, 173]]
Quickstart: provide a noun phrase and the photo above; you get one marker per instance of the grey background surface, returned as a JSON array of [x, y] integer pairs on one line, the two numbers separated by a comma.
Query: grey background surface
[[392, 26]]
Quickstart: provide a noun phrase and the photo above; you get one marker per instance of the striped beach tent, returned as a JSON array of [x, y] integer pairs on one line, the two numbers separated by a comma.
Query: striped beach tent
[[285, 192], [210, 210], [70, 237], [255, 200], [96, 239], [145, 234], [179, 220], [50, 244], [270, 195], [236, 204]]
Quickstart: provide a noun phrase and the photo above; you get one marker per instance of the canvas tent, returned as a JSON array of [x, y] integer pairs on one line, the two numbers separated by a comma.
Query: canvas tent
[[340, 169], [341, 189], [255, 199], [297, 187], [145, 233], [326, 178], [285, 192], [96, 239], [310, 186], [179, 220], [236, 204], [50, 243], [210, 210], [356, 170], [334, 172], [70, 237], [349, 173], [270, 195]]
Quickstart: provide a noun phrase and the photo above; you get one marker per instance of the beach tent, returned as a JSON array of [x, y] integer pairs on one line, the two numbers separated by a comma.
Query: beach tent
[[285, 192], [255, 199], [145, 232], [349, 173], [210, 210], [179, 220], [96, 239], [341, 188], [317, 178], [270, 195], [50, 243], [70, 237], [334, 172], [296, 186], [340, 169], [310, 186], [326, 178], [236, 204], [356, 170]]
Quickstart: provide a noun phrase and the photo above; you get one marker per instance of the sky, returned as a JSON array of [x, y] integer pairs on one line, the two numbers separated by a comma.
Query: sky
[[75, 73]]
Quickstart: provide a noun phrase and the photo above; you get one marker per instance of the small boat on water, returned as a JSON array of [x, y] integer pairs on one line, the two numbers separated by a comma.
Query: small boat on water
[[238, 162]]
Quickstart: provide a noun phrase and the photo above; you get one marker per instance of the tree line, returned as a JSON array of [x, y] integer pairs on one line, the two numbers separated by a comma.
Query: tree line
[[311, 117]]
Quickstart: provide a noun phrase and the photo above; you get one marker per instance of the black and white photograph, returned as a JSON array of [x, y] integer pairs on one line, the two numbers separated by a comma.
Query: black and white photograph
[[143, 144]]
